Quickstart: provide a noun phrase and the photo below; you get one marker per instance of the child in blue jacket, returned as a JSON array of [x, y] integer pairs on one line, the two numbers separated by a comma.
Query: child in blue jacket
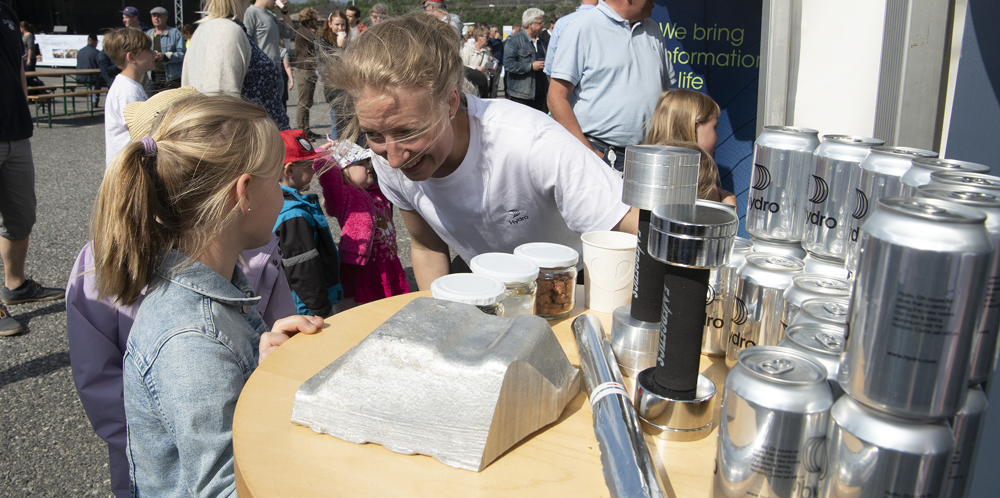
[[309, 254]]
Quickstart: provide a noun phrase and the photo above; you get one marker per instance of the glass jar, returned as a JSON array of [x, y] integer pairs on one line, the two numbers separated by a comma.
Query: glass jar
[[518, 276], [556, 293], [484, 292]]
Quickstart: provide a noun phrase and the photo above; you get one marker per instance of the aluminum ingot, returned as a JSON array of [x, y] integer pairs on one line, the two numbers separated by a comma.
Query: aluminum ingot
[[443, 379], [657, 174], [698, 236]]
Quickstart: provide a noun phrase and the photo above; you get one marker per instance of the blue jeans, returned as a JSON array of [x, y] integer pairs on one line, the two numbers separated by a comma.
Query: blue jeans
[[619, 154]]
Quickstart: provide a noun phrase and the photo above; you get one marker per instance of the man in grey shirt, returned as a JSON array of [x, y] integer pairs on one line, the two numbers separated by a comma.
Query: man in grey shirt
[[264, 27]]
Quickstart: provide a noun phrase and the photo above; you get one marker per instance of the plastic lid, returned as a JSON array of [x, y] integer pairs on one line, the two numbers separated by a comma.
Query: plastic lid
[[468, 288], [547, 255], [504, 267]]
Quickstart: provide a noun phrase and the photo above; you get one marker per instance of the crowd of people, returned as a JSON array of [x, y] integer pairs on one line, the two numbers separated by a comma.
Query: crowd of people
[[204, 209]]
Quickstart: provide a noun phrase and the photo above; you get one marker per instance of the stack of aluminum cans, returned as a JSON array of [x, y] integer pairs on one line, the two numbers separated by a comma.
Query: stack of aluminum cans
[[923, 267]]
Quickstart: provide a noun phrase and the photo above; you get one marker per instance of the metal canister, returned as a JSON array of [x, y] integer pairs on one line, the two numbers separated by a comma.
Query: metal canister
[[966, 426], [759, 301], [825, 311], [775, 412], [986, 183], [832, 193], [790, 248], [921, 169], [810, 286], [825, 266], [984, 349], [782, 163], [873, 454], [921, 276], [882, 171], [719, 312], [823, 343]]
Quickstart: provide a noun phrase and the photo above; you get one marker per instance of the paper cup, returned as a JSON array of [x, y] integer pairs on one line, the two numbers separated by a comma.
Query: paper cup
[[609, 264]]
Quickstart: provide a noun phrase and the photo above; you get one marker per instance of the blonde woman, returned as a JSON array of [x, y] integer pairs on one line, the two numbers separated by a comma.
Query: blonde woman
[[476, 175], [223, 59], [686, 118], [173, 214]]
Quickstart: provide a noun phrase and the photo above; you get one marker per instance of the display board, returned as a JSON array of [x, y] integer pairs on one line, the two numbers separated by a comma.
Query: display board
[[60, 50], [714, 46]]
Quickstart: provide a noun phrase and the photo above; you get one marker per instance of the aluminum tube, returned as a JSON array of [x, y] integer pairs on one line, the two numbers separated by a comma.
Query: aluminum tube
[[628, 467]]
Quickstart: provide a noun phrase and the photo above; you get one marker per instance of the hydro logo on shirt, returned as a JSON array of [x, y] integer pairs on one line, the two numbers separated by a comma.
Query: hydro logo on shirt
[[515, 216]]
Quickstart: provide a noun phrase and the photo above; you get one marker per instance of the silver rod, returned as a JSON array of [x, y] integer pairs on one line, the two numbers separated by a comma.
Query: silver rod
[[628, 467]]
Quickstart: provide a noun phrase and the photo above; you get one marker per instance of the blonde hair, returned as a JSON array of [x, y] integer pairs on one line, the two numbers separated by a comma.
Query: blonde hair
[[215, 9], [307, 14], [708, 171], [677, 114], [478, 31], [177, 198], [414, 51], [124, 41]]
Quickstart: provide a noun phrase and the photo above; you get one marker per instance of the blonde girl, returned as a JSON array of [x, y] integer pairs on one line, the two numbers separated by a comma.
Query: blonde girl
[[174, 212], [691, 117], [467, 173]]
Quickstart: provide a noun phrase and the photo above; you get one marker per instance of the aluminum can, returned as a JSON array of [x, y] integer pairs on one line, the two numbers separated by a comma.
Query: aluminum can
[[823, 343], [882, 171], [824, 310], [759, 301], [921, 169], [986, 183], [810, 286], [984, 347], [782, 164], [966, 426], [825, 266], [872, 454], [921, 278], [832, 192], [719, 312], [788, 248], [775, 413]]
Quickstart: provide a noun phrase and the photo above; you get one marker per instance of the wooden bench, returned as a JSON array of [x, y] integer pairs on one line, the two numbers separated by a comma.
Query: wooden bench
[[44, 101]]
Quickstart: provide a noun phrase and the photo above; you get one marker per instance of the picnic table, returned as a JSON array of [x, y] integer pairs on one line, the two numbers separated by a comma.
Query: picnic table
[[68, 90]]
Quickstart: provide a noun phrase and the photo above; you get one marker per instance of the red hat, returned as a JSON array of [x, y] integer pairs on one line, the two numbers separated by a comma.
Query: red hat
[[297, 146]]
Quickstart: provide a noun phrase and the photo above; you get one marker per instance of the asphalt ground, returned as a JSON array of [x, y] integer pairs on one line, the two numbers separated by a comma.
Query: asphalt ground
[[47, 446]]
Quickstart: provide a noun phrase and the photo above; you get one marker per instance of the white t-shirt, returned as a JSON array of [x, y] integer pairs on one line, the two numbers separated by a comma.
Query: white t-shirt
[[524, 179], [123, 91]]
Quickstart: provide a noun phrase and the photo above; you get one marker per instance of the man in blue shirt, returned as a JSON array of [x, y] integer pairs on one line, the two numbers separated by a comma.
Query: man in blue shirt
[[607, 76], [523, 60], [585, 5]]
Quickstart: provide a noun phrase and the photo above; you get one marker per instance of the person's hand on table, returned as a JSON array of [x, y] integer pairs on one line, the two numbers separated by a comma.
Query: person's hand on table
[[284, 329]]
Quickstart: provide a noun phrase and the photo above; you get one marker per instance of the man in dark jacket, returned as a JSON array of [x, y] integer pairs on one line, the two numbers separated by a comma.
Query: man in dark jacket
[[86, 58], [524, 59]]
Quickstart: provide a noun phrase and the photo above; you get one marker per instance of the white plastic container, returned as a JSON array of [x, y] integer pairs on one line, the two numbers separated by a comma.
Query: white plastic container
[[518, 276], [556, 277], [485, 292]]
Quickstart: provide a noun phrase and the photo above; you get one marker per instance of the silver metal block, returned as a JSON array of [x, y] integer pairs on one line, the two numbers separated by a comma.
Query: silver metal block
[[443, 379], [675, 419]]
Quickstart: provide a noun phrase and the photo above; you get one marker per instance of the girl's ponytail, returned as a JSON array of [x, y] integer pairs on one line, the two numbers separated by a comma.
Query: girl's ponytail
[[127, 225]]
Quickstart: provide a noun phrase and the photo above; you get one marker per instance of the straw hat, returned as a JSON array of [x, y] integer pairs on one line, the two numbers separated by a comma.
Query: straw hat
[[139, 116]]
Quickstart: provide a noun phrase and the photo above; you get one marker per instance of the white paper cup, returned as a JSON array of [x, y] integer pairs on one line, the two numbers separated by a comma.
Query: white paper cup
[[609, 264]]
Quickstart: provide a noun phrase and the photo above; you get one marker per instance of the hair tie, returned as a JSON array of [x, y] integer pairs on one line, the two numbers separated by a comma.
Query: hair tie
[[149, 145]]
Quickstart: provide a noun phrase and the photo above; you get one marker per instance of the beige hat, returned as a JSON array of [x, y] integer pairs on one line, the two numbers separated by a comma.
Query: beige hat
[[139, 116]]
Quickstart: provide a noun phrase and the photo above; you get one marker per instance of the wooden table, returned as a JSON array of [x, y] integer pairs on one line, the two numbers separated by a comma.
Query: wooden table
[[276, 458], [64, 73]]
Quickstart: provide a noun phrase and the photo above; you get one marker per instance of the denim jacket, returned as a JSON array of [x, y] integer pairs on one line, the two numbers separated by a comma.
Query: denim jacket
[[518, 54], [193, 345], [172, 46]]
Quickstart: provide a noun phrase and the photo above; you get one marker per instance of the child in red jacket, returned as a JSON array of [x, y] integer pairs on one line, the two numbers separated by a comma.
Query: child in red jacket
[[369, 264]]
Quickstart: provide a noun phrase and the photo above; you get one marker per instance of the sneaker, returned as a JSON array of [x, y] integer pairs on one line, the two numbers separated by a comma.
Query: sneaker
[[29, 292], [8, 325]]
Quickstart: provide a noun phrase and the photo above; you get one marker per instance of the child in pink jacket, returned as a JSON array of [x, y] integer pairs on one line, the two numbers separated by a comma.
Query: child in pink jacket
[[369, 265]]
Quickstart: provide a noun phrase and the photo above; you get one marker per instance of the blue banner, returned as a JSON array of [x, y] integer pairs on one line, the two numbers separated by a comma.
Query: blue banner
[[714, 46]]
